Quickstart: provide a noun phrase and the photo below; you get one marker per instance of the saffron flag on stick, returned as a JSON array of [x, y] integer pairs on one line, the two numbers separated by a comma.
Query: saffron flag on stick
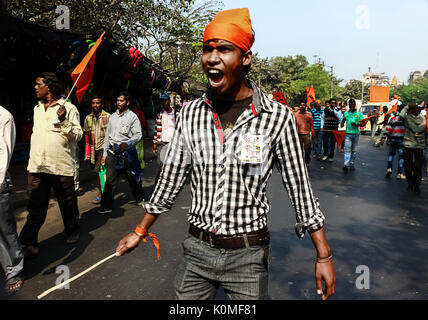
[[83, 73], [340, 137], [310, 93], [393, 109]]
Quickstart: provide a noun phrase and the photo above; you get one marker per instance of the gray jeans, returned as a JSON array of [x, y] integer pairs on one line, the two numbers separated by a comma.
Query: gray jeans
[[242, 273], [11, 255]]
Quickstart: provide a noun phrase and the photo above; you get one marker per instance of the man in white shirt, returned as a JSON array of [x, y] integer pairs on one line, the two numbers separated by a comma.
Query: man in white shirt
[[56, 131], [11, 255]]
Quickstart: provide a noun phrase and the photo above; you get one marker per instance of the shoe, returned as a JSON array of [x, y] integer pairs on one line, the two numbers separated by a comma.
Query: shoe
[[97, 200], [80, 192], [401, 176], [416, 189], [330, 160], [308, 164], [377, 145], [72, 238], [324, 158], [345, 169], [30, 252], [102, 211], [389, 174]]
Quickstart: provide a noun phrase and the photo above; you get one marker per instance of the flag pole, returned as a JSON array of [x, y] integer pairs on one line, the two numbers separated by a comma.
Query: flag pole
[[72, 88]]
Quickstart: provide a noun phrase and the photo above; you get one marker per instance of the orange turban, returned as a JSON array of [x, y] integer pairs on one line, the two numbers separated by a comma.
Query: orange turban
[[233, 26]]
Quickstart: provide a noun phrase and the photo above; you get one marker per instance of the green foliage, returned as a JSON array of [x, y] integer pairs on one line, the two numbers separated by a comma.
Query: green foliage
[[416, 91], [169, 32], [353, 90], [290, 75]]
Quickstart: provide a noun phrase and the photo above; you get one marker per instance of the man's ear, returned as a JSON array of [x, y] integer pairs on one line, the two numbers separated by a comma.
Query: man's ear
[[247, 57]]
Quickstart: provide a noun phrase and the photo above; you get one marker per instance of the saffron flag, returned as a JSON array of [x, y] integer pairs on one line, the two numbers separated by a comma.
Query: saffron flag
[[310, 93], [340, 137], [83, 73], [279, 96], [393, 109]]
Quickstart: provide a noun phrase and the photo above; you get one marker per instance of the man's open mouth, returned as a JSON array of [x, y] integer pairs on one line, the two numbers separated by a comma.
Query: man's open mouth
[[215, 76]]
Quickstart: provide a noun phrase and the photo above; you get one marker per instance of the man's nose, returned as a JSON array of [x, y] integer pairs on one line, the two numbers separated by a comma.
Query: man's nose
[[213, 57]]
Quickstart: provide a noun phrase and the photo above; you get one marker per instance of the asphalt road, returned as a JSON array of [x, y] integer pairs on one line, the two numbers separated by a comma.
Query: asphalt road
[[372, 224]]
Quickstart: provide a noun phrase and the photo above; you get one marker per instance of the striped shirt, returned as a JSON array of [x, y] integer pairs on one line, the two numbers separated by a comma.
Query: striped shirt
[[229, 176], [395, 127], [163, 126], [317, 118]]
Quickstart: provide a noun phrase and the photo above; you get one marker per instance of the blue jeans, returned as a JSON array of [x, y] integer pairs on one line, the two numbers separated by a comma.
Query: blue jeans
[[243, 273], [318, 142], [396, 146], [351, 143]]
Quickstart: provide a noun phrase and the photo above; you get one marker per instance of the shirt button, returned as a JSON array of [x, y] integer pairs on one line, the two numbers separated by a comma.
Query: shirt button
[[219, 208]]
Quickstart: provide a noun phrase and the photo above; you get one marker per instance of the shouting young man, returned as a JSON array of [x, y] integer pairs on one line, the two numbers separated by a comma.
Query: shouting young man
[[228, 141]]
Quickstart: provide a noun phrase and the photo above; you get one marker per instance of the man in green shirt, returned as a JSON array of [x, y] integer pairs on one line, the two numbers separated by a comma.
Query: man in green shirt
[[352, 118]]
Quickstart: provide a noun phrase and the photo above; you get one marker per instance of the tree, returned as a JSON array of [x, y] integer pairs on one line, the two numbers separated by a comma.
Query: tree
[[168, 32], [353, 90]]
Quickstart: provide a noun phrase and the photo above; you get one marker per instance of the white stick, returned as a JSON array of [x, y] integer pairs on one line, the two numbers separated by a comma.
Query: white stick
[[75, 277]]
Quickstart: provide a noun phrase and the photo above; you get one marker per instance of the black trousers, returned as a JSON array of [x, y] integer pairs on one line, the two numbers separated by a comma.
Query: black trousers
[[413, 159], [39, 187], [329, 143], [112, 180]]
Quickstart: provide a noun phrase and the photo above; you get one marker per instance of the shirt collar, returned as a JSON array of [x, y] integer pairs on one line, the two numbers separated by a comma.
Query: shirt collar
[[260, 100], [121, 115]]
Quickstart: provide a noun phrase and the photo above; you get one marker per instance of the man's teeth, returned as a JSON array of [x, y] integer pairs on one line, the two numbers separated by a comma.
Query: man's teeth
[[214, 72]]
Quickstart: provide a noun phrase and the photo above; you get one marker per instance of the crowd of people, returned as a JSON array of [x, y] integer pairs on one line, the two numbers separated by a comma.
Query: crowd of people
[[229, 209], [404, 127], [113, 141]]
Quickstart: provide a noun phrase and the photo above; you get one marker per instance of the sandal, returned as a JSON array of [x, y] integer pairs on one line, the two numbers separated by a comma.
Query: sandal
[[30, 252], [14, 284], [97, 200]]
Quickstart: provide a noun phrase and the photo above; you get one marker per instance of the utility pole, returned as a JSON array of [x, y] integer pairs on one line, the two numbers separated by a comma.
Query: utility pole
[[331, 82]]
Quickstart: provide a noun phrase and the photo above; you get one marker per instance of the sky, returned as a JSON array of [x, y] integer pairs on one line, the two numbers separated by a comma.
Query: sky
[[389, 36]]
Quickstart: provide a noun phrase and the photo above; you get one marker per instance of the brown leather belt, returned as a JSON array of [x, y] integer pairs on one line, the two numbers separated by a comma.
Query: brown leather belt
[[257, 238]]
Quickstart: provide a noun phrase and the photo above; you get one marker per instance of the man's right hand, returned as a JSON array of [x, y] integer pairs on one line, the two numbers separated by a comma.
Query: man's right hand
[[103, 161], [155, 148], [127, 244]]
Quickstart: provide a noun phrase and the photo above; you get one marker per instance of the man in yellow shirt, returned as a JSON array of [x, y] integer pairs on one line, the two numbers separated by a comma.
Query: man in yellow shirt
[[56, 130]]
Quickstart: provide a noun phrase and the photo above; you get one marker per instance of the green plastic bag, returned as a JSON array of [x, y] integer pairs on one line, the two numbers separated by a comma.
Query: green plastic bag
[[140, 152], [103, 177]]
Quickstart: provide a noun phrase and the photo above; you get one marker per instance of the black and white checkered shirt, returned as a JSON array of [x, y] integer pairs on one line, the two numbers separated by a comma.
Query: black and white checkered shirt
[[228, 187]]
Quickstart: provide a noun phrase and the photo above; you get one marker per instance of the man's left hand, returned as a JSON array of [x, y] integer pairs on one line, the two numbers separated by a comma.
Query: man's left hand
[[124, 146], [325, 272], [62, 112]]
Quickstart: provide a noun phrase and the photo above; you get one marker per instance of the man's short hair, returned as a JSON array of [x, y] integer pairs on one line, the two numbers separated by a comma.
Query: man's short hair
[[331, 100], [96, 96], [351, 101], [126, 95], [51, 80]]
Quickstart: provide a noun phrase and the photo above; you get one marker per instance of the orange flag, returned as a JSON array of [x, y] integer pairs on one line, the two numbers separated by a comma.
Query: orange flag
[[340, 137], [423, 103], [83, 73], [393, 109], [279, 96], [310, 93]]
